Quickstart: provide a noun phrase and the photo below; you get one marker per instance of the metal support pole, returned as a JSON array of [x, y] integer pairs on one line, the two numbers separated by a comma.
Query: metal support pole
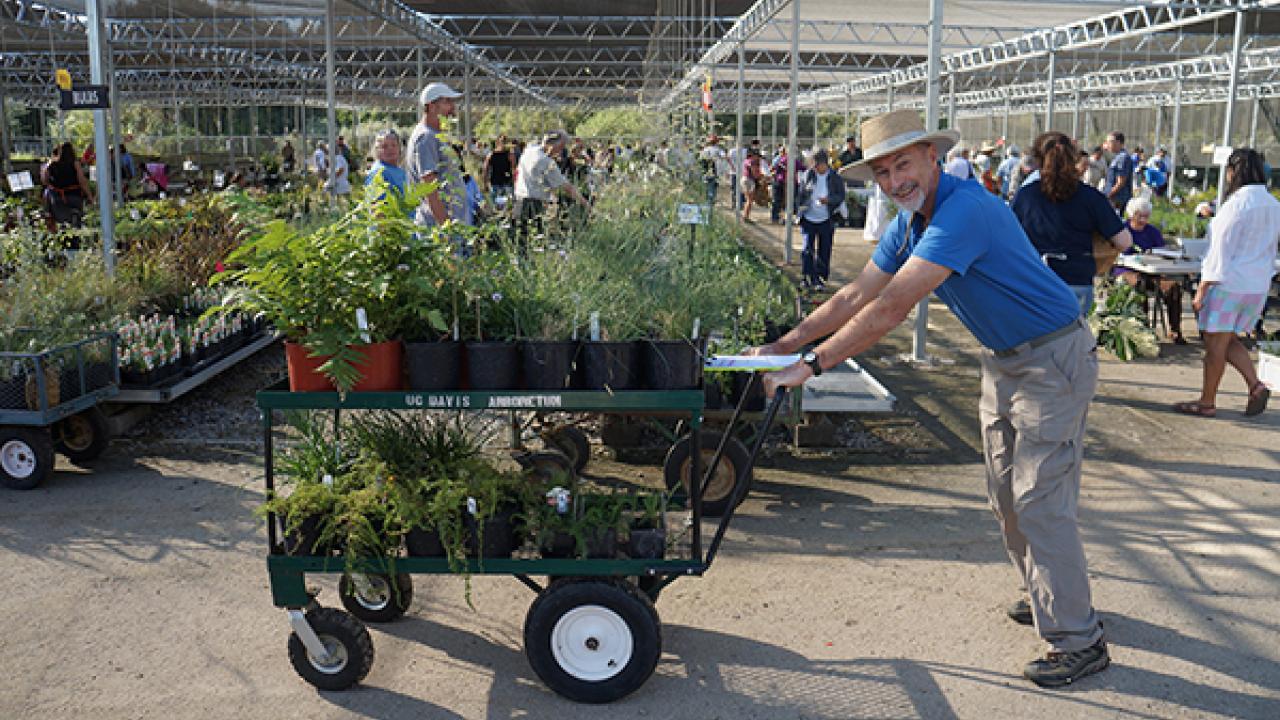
[[97, 73], [116, 170], [330, 89], [1173, 136], [1253, 124], [889, 100], [1159, 130], [739, 140], [951, 98], [1052, 91], [1237, 44], [848, 119], [466, 111], [789, 208], [1075, 118], [5, 149], [816, 110], [920, 334], [1004, 126]]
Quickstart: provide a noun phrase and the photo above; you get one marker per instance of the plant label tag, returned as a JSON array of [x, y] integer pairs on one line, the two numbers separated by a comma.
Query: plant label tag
[[20, 181], [134, 214], [697, 326], [362, 322], [472, 507], [327, 480], [595, 327]]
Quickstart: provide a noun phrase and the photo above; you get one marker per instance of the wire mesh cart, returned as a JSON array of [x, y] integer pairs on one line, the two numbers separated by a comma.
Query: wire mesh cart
[[592, 633], [49, 401]]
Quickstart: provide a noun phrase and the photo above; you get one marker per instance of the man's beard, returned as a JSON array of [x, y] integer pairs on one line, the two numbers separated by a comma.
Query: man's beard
[[913, 202]]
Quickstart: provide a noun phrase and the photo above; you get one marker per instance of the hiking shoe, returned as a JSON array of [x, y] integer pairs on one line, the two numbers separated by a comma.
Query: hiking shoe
[[1057, 669], [1020, 612]]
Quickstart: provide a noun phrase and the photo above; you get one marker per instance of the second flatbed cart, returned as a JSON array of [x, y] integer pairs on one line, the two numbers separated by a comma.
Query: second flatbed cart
[[592, 634]]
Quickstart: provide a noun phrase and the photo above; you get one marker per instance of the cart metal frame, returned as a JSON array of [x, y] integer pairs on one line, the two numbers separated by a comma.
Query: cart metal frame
[[288, 573]]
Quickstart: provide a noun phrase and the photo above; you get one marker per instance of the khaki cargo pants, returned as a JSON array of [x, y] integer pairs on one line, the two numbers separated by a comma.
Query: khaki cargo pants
[[1033, 410]]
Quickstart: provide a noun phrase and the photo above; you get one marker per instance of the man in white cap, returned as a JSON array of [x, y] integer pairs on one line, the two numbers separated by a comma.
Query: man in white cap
[[430, 159], [1039, 367]]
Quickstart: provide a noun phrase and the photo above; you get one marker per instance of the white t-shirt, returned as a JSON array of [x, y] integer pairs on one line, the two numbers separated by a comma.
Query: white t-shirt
[[959, 167], [1243, 241], [537, 175], [320, 162], [341, 175], [816, 211]]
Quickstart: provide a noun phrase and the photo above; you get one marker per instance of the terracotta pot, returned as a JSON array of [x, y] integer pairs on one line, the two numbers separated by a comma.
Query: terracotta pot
[[383, 367], [304, 370]]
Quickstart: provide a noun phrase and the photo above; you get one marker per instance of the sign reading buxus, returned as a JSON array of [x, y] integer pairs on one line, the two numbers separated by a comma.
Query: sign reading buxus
[[495, 402]]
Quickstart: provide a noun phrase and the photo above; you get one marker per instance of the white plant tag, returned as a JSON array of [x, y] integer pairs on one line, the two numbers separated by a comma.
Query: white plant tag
[[595, 327], [697, 327], [327, 480], [362, 322], [472, 507]]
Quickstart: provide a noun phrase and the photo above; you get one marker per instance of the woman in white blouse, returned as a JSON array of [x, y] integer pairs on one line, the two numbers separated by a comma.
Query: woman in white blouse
[[1234, 280]]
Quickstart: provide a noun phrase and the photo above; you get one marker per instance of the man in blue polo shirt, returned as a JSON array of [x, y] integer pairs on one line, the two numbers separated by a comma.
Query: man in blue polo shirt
[[1039, 370], [1119, 187]]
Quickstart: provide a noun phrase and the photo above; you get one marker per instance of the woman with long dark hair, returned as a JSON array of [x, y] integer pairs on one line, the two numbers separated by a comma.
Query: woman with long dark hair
[[66, 190], [1060, 214], [1234, 280]]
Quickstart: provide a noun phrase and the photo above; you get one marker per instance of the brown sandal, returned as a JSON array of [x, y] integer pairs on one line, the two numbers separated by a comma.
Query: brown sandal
[[1258, 396], [1194, 407]]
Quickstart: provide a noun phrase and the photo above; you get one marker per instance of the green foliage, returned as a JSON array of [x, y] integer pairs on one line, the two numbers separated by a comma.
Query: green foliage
[[1119, 324]]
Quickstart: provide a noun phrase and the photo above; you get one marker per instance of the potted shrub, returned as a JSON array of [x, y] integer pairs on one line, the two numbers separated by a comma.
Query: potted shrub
[[588, 529], [648, 531], [336, 292], [546, 312], [492, 357]]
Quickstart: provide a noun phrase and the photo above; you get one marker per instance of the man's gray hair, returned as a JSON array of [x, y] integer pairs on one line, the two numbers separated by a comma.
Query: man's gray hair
[[555, 137]]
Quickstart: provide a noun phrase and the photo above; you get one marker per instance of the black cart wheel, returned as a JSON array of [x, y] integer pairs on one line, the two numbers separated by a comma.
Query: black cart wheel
[[573, 442], [26, 457], [83, 436], [592, 640], [679, 463], [548, 466], [349, 648], [376, 597]]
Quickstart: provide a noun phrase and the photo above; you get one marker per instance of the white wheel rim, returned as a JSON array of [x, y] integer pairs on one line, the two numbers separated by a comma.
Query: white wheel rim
[[337, 659], [18, 459], [591, 643], [371, 591]]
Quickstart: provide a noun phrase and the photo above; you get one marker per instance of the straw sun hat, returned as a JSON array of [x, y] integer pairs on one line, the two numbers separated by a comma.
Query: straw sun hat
[[884, 135]]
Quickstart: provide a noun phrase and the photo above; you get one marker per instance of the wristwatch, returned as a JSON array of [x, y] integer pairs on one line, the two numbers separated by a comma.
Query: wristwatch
[[811, 359]]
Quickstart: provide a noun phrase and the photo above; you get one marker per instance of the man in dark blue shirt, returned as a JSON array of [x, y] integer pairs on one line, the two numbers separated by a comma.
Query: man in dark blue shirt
[[1119, 187], [1039, 368]]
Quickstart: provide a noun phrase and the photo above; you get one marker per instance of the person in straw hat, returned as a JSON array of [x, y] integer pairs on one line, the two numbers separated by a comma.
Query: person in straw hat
[[1039, 369]]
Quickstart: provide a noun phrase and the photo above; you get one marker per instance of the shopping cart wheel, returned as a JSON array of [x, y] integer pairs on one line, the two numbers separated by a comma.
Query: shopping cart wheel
[[592, 640], [376, 597], [679, 463], [83, 436], [547, 466], [572, 441], [26, 456], [349, 650]]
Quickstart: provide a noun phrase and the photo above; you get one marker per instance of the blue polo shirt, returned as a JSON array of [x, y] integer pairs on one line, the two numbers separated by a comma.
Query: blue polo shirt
[[999, 288], [394, 176]]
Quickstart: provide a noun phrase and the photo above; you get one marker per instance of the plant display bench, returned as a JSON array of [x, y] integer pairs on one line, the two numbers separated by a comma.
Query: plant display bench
[[49, 401], [592, 634]]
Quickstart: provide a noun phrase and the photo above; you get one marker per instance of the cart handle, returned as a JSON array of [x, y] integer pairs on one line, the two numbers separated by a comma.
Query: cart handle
[[740, 487]]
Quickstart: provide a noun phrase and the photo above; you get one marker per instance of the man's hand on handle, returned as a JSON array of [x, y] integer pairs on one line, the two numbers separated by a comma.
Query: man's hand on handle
[[793, 375]]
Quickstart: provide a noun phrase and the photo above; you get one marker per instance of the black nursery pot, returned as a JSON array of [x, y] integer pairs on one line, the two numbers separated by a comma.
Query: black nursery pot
[[493, 365], [672, 365], [421, 542], [434, 365], [647, 543], [499, 534], [610, 365], [755, 396], [548, 364], [603, 543], [306, 539]]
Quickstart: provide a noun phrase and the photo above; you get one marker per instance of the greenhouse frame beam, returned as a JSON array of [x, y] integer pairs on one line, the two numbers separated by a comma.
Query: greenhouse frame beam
[[1107, 28], [756, 17], [41, 19], [1209, 68], [401, 15]]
